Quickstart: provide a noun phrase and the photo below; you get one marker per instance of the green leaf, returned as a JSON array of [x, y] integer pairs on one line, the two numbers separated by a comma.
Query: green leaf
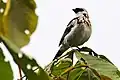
[[102, 66], [2, 6], [58, 69], [19, 16], [76, 73], [61, 67], [28, 65], [82, 74], [5, 68]]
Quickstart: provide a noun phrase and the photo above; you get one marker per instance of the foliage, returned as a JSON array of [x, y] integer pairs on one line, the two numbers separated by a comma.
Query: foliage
[[88, 67], [5, 68], [18, 21]]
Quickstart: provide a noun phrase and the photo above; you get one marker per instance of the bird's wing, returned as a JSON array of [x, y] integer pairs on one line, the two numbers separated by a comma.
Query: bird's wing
[[68, 29]]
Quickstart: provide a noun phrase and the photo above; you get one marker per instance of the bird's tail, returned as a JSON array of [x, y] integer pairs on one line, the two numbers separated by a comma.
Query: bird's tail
[[60, 51]]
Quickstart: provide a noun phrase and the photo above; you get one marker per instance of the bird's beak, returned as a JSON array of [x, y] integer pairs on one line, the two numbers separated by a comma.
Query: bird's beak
[[73, 10]]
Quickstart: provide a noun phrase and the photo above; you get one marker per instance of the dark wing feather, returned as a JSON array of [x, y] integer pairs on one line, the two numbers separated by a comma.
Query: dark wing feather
[[67, 30]]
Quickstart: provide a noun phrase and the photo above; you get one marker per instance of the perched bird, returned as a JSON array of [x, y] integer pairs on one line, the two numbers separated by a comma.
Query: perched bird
[[78, 31]]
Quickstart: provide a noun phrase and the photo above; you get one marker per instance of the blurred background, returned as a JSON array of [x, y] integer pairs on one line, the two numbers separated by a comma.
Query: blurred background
[[54, 15]]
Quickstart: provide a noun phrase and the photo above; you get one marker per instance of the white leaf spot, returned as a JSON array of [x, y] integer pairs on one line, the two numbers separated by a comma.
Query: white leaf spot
[[28, 66], [5, 1], [34, 67], [20, 55], [1, 10], [6, 60], [27, 31]]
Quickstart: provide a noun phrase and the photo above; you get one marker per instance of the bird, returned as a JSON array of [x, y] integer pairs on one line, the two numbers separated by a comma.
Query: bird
[[77, 32]]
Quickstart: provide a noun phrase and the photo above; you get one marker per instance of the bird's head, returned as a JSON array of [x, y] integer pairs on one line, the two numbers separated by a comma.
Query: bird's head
[[81, 11]]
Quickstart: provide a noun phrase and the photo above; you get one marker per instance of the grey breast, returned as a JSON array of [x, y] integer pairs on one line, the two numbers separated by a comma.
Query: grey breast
[[79, 34]]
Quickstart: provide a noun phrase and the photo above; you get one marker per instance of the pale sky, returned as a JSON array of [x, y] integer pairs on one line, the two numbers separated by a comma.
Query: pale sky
[[54, 15]]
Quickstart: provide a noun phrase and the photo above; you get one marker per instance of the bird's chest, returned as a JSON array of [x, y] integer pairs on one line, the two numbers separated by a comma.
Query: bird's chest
[[80, 30], [78, 35]]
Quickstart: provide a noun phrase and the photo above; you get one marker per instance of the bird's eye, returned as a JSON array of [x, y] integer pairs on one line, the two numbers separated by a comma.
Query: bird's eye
[[85, 14]]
